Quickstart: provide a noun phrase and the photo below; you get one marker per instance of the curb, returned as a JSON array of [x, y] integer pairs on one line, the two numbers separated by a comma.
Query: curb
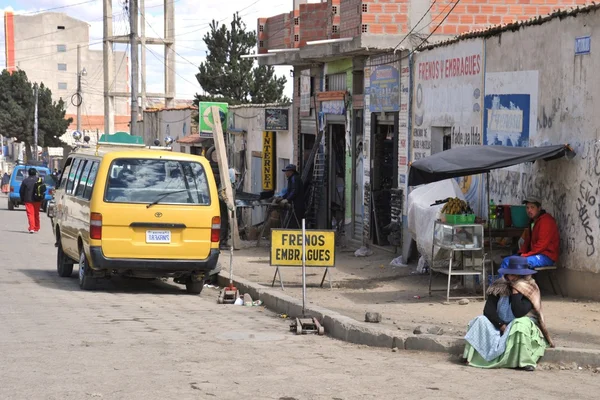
[[344, 328]]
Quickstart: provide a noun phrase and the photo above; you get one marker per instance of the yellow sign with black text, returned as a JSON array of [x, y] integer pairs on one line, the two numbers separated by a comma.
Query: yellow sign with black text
[[268, 172], [286, 248]]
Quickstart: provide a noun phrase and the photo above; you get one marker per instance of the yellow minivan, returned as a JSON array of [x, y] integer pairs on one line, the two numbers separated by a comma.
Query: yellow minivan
[[136, 211]]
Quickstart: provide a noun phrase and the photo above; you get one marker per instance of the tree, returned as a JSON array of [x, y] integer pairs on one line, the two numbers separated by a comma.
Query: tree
[[227, 77], [51, 119], [17, 106]]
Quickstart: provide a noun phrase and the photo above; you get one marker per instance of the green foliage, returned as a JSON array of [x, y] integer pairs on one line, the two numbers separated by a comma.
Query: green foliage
[[51, 119], [17, 105], [228, 78]]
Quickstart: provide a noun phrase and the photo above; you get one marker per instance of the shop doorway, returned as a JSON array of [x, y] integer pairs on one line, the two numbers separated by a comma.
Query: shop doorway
[[336, 176], [384, 173], [358, 177]]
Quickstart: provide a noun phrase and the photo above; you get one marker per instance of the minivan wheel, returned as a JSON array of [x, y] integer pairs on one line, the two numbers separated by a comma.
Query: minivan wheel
[[64, 266], [86, 280], [11, 206], [193, 286]]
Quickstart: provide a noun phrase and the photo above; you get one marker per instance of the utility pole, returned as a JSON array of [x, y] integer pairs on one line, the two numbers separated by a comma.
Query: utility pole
[[35, 123], [79, 99], [133, 24], [143, 55]]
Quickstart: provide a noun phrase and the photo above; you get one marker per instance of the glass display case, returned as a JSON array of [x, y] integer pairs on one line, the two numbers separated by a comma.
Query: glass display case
[[465, 240]]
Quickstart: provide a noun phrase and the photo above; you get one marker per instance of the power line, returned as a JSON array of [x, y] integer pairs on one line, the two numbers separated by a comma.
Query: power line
[[422, 42], [165, 64], [417, 24], [58, 8]]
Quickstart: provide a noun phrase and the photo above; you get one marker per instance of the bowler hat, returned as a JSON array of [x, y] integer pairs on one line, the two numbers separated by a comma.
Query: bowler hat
[[517, 266]]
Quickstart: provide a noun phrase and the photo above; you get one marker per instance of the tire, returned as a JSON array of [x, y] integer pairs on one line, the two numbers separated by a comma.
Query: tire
[[64, 266], [86, 280], [11, 206], [193, 287]]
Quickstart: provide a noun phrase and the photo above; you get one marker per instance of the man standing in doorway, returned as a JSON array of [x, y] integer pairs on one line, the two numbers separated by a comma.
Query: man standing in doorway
[[294, 195], [32, 205]]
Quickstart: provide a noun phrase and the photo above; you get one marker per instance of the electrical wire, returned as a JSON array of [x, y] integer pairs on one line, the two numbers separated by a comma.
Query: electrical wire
[[165, 64], [417, 24], [58, 8]]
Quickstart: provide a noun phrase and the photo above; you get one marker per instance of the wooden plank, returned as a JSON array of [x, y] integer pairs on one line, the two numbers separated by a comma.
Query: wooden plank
[[224, 174]]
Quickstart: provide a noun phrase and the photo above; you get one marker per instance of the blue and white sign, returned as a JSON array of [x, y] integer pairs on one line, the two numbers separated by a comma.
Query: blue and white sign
[[583, 45]]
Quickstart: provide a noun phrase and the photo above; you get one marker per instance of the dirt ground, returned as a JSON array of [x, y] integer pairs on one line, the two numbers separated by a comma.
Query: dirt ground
[[401, 295]]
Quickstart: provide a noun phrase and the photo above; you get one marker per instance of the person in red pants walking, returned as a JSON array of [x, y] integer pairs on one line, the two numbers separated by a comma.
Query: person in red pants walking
[[32, 203]]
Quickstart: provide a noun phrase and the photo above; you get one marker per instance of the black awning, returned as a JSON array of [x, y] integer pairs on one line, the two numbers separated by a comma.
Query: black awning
[[464, 161]]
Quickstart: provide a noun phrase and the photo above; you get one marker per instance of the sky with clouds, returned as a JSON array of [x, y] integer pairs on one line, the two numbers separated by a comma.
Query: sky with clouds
[[192, 18]]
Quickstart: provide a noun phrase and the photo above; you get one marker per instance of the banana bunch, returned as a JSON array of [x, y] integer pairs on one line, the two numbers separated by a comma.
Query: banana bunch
[[455, 206]]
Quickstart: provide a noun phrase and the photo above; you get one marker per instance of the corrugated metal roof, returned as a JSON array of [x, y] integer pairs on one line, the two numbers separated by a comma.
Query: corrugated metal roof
[[515, 26]]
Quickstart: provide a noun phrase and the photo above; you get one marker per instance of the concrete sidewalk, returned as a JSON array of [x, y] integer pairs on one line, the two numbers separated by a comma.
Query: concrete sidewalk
[[401, 296]]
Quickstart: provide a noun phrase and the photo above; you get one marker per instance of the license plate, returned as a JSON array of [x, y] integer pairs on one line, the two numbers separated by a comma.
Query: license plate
[[158, 236]]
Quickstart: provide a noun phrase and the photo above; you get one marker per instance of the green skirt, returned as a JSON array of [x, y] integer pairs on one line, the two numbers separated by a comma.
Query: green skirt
[[524, 347]]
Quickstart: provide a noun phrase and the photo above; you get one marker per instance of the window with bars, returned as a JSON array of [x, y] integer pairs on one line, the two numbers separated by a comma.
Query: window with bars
[[364, 28], [334, 10], [335, 82], [365, 8], [261, 43], [261, 28], [334, 29], [296, 38], [296, 21]]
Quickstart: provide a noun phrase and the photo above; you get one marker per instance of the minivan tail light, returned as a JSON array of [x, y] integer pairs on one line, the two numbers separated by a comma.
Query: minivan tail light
[[215, 230], [51, 192], [96, 226], [12, 189]]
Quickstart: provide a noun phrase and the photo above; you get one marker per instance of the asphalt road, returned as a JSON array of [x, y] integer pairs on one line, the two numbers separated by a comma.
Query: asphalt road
[[138, 339]]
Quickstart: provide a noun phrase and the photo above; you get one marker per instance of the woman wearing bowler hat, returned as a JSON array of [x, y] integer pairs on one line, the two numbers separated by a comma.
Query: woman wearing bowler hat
[[511, 333]]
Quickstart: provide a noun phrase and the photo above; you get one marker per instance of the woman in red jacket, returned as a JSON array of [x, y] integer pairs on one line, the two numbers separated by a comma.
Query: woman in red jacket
[[540, 242]]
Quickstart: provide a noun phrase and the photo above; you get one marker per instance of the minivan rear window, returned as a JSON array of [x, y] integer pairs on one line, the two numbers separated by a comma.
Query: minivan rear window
[[137, 180], [23, 173]]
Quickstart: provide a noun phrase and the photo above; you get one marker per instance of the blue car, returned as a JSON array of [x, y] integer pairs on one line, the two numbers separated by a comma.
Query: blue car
[[19, 173]]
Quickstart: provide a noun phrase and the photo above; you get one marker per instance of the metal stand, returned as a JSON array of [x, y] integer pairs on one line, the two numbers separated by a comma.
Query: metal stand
[[303, 326], [327, 275]]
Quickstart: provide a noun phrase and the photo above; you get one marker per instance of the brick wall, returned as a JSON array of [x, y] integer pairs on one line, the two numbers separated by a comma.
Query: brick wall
[[477, 14], [350, 18], [384, 16], [333, 23], [313, 22], [275, 32]]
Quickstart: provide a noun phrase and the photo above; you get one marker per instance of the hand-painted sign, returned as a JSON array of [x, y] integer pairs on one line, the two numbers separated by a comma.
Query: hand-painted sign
[[286, 248], [268, 176]]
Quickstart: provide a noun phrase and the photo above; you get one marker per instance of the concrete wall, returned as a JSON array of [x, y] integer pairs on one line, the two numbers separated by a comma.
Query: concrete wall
[[252, 120], [36, 38], [447, 101], [562, 89], [162, 123]]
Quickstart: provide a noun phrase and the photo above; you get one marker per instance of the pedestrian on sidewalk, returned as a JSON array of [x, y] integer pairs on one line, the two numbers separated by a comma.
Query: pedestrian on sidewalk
[[31, 199], [512, 332], [5, 182]]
